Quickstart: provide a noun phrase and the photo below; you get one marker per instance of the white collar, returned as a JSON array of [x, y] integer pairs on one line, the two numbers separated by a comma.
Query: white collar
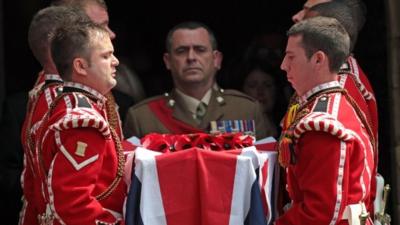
[[55, 77], [318, 88], [86, 89]]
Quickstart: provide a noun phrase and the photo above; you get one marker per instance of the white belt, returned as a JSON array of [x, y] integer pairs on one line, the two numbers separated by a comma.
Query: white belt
[[352, 213]]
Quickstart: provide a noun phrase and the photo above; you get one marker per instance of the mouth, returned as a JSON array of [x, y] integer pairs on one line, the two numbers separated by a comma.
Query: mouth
[[191, 69]]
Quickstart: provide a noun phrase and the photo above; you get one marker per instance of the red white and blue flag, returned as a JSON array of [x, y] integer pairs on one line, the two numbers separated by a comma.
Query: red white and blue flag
[[201, 187]]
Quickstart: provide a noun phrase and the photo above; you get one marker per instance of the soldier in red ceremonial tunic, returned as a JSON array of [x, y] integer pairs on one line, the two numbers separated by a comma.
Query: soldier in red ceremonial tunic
[[80, 158], [47, 87], [352, 78], [328, 147], [351, 14], [96, 10]]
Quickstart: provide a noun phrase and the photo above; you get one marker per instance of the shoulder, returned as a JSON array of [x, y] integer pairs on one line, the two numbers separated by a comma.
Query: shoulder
[[146, 102], [79, 111], [236, 95], [319, 118]]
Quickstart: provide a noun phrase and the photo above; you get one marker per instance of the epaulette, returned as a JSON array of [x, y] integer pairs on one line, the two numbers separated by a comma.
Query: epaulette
[[82, 101], [324, 122], [321, 104], [83, 118], [147, 100], [345, 68], [237, 94]]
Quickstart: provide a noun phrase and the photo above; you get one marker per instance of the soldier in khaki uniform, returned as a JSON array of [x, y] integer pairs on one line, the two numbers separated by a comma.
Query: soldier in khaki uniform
[[196, 101]]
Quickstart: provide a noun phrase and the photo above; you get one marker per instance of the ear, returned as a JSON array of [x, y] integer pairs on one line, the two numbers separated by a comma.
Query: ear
[[319, 59], [167, 58], [218, 56], [79, 66]]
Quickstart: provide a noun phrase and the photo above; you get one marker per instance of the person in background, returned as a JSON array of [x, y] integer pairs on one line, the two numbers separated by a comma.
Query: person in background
[[196, 104], [48, 87], [261, 85], [81, 160], [299, 16], [259, 76], [328, 148]]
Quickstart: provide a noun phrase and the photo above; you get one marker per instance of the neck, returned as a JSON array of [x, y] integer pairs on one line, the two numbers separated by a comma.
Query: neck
[[194, 91], [50, 69]]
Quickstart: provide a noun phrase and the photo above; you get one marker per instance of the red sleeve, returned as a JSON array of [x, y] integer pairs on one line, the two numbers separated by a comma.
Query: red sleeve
[[74, 173], [313, 181]]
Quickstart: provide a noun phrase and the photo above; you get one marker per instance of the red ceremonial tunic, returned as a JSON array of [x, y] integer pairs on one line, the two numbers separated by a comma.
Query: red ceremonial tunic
[[330, 159], [40, 98], [81, 161]]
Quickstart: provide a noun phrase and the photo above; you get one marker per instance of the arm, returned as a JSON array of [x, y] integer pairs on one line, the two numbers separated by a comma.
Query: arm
[[314, 181], [75, 175]]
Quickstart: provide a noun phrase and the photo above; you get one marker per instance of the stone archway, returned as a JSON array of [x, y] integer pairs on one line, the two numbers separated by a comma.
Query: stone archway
[[393, 39]]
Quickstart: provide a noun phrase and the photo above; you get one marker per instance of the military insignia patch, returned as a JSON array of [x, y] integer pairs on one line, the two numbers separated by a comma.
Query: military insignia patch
[[80, 149]]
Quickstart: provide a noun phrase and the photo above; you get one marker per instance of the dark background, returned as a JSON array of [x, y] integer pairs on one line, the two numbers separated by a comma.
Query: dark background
[[141, 27]]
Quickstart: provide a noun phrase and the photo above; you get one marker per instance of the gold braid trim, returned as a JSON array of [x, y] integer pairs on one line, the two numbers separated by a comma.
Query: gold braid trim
[[112, 114], [120, 169]]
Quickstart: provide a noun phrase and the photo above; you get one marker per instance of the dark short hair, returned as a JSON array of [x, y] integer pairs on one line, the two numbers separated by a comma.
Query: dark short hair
[[358, 11], [191, 25], [79, 3], [343, 14], [73, 41], [326, 35], [43, 25]]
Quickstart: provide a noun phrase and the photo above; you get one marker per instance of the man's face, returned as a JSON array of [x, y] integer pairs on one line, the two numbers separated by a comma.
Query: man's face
[[299, 16], [297, 66], [102, 67], [191, 59], [99, 15]]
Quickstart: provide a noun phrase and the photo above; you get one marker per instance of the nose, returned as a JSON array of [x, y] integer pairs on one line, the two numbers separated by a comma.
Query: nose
[[191, 55], [298, 16], [115, 61], [111, 33], [284, 65]]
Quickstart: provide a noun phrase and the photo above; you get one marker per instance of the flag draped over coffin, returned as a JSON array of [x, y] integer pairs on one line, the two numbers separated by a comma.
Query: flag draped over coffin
[[201, 187]]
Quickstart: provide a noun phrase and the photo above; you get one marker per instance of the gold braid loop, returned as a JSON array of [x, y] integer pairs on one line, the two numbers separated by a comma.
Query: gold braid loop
[[120, 169], [111, 110]]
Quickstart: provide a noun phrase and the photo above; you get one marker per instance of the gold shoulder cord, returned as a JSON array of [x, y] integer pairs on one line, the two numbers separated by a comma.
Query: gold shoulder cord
[[118, 147], [111, 111]]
